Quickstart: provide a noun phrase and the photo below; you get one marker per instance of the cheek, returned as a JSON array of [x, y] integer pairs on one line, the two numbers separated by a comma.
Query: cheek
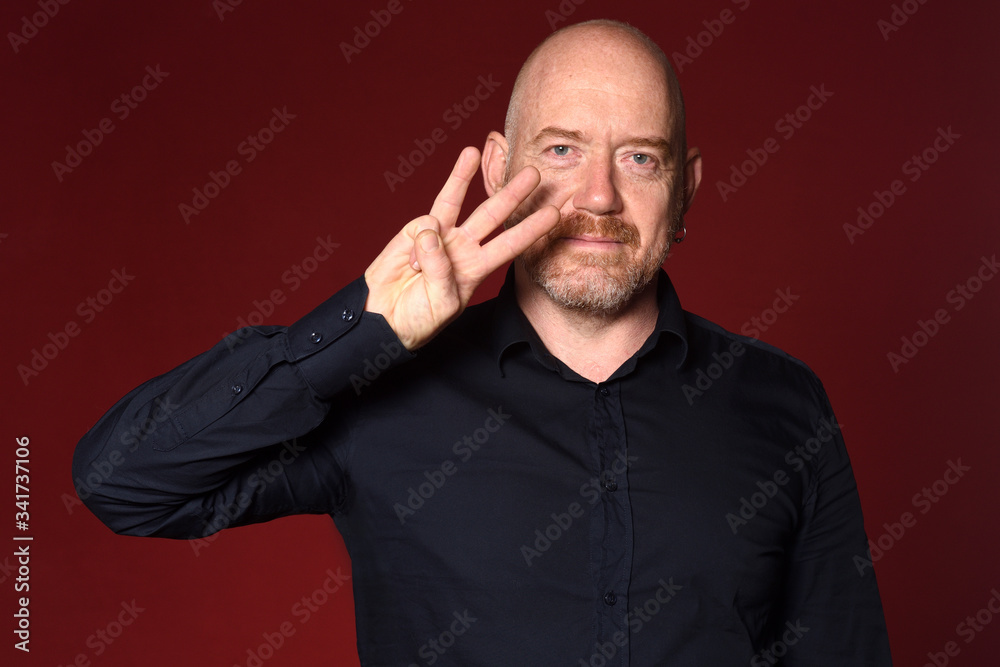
[[654, 244], [556, 187], [652, 214]]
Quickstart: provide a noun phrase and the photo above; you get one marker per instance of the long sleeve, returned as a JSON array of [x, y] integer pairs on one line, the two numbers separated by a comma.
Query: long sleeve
[[227, 437], [832, 612]]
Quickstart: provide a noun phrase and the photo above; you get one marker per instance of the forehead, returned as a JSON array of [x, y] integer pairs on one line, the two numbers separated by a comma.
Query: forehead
[[599, 84]]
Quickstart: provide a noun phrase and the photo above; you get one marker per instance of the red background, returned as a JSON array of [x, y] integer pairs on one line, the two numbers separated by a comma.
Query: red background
[[324, 175]]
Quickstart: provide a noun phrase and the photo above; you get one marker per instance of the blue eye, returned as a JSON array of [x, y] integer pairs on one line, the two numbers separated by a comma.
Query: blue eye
[[640, 158], [561, 151]]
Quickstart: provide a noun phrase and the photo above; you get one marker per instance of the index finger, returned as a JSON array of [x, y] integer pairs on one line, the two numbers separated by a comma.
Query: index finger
[[512, 242], [494, 211], [448, 203]]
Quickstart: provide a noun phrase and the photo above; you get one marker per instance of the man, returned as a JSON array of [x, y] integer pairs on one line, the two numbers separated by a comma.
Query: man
[[532, 481]]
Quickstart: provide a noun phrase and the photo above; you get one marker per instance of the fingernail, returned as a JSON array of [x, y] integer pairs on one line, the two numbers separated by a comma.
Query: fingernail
[[428, 242]]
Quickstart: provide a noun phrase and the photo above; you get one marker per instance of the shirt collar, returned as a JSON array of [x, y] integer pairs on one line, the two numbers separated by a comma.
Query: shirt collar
[[511, 328]]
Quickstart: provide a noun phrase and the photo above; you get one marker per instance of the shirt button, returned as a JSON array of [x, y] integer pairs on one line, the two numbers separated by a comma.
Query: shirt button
[[347, 315], [237, 388], [315, 336], [611, 485], [610, 598], [605, 391]]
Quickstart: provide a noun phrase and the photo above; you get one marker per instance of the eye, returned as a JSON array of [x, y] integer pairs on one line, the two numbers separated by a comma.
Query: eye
[[641, 159], [561, 151]]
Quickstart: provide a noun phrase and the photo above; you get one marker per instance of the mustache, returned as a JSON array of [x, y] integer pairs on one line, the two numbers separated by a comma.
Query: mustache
[[607, 226]]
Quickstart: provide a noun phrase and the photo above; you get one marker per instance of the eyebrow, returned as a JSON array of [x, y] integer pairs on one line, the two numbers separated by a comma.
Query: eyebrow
[[658, 143], [552, 132]]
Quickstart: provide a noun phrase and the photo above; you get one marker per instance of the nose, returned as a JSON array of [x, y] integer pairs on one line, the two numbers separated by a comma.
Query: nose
[[597, 193]]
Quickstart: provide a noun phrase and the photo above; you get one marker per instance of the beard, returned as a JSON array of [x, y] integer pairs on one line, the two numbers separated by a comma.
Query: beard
[[601, 282]]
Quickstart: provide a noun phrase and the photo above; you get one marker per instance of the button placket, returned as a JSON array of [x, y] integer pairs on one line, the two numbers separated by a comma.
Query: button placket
[[612, 531]]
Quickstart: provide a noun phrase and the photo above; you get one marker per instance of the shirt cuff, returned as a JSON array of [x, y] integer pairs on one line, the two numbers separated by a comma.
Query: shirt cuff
[[366, 345]]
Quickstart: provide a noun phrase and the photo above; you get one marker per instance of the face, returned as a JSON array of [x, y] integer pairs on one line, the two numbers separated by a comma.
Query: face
[[595, 121]]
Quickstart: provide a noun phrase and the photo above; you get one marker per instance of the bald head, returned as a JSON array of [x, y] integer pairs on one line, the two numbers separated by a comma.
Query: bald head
[[597, 112], [605, 48]]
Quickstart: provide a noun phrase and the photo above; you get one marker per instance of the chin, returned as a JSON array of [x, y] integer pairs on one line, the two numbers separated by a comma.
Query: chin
[[602, 284], [588, 287]]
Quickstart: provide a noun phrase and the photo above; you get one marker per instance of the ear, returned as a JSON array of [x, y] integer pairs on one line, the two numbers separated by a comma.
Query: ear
[[692, 176], [494, 165]]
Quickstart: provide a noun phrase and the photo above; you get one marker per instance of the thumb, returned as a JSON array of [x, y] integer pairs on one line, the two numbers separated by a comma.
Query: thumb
[[439, 278], [431, 257]]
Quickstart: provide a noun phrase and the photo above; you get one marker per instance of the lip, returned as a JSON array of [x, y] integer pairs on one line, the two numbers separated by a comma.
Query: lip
[[587, 240]]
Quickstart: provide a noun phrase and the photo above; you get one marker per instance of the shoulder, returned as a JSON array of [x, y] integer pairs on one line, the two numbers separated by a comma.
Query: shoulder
[[706, 332], [758, 363]]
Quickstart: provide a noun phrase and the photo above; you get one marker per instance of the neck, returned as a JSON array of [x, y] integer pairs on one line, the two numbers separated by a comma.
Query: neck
[[594, 345]]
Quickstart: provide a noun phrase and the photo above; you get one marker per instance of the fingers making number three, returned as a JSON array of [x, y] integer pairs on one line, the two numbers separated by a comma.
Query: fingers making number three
[[427, 274]]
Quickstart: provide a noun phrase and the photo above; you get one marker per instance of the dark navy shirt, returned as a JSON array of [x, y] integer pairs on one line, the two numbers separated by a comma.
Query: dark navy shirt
[[696, 509]]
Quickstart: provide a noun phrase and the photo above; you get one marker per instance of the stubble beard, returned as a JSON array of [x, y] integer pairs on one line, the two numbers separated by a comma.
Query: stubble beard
[[598, 283]]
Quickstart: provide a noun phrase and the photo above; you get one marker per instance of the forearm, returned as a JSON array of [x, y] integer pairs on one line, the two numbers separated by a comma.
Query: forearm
[[179, 441]]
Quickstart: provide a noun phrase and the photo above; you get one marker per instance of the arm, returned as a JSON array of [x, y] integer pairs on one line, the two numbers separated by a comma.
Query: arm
[[175, 456], [176, 453], [832, 612]]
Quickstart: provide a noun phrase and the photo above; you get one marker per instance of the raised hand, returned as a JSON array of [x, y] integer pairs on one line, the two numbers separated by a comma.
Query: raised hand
[[426, 275]]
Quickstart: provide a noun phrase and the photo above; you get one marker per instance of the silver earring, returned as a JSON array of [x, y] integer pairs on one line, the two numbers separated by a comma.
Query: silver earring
[[683, 235]]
